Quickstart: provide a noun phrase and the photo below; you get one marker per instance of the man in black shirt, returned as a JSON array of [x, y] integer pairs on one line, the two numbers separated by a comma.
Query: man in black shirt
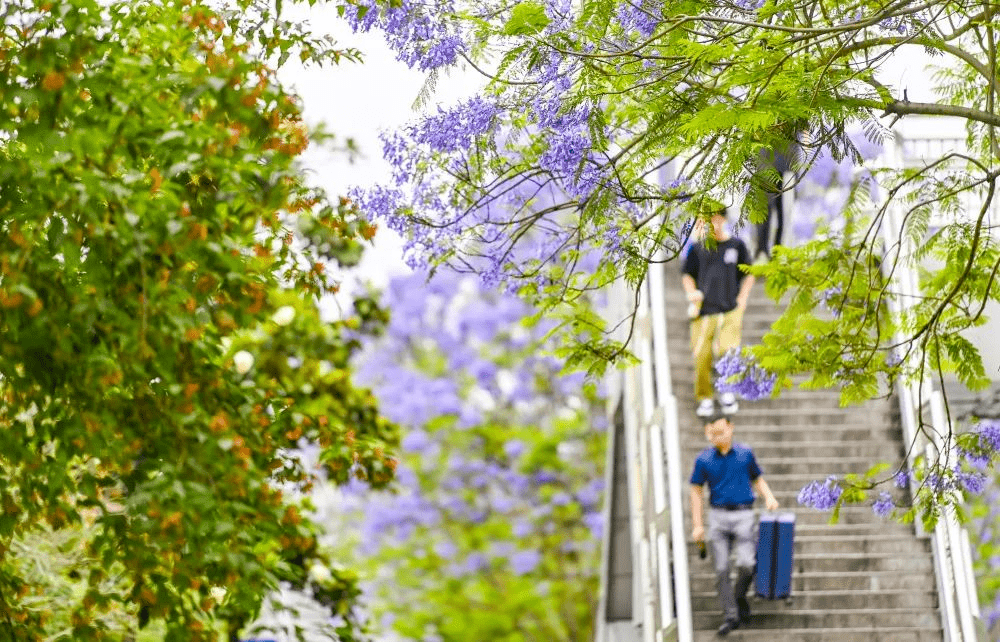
[[718, 291]]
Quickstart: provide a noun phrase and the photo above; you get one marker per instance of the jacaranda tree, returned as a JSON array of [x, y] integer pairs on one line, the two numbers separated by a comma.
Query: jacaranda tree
[[493, 529], [162, 353], [603, 123]]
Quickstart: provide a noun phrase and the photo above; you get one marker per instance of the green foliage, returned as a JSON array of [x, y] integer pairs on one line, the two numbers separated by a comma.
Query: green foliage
[[420, 589], [162, 351], [706, 88], [526, 19]]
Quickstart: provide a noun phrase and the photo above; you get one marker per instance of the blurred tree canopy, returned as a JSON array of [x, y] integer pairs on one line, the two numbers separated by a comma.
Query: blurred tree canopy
[[161, 349], [493, 530]]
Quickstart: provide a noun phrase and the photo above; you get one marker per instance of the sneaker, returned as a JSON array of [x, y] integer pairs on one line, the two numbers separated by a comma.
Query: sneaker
[[728, 626], [729, 403], [705, 408]]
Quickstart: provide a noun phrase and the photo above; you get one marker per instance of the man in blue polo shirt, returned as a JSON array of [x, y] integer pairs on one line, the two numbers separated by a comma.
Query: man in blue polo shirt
[[732, 474]]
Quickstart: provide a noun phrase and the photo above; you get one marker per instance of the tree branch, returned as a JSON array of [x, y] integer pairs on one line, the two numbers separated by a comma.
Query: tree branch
[[906, 108]]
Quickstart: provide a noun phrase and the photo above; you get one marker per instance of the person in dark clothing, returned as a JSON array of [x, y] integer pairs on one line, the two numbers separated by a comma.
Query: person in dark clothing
[[780, 160], [717, 290], [732, 474]]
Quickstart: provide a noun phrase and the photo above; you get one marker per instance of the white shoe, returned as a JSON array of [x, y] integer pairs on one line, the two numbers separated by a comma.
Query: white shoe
[[729, 403], [705, 408]]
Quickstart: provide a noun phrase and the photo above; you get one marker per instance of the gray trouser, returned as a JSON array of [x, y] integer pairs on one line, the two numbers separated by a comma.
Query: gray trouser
[[731, 531]]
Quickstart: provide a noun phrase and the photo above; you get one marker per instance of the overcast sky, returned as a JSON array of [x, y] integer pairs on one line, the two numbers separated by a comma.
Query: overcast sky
[[358, 101]]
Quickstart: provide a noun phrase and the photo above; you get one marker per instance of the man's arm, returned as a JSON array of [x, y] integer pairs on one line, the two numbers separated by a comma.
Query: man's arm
[[744, 294], [765, 492], [694, 295], [697, 523]]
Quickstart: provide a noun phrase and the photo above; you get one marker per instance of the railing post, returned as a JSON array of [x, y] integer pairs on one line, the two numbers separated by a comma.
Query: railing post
[[948, 523], [672, 449]]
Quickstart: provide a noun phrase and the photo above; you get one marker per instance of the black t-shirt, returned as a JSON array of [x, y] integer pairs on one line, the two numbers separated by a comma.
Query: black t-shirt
[[717, 273]]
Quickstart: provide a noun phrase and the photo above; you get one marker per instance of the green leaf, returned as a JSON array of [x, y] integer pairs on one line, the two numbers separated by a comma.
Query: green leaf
[[526, 19]]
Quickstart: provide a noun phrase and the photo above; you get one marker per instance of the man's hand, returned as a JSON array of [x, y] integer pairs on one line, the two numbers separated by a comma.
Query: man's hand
[[698, 533], [695, 296], [771, 502]]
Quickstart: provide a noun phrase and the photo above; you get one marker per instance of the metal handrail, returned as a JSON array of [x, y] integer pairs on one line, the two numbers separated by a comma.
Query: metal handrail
[[952, 562], [672, 450]]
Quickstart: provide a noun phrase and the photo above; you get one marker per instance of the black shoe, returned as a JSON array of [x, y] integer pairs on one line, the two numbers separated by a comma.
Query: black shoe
[[744, 608], [728, 626]]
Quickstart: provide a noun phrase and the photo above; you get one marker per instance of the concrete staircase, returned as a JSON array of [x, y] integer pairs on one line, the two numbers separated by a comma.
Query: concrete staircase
[[862, 579]]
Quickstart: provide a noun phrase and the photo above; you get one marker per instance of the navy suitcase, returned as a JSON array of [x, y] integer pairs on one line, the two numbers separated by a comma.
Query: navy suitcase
[[774, 556]]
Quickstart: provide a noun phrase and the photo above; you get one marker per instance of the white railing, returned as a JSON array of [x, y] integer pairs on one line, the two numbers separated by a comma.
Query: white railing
[[661, 597], [950, 543], [672, 451]]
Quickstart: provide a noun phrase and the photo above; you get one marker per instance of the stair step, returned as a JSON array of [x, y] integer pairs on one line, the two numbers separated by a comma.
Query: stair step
[[861, 562], [857, 618], [820, 467], [703, 580], [872, 544], [851, 515], [854, 449], [759, 435], [883, 634], [834, 600], [746, 417]]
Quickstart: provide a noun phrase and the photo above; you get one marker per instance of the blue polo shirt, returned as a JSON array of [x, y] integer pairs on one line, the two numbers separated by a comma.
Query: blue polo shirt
[[729, 476]]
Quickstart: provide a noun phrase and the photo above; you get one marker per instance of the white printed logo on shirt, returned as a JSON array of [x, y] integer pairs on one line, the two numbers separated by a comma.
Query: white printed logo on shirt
[[731, 256]]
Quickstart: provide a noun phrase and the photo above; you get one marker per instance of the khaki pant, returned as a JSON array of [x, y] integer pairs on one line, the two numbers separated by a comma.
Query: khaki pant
[[711, 336]]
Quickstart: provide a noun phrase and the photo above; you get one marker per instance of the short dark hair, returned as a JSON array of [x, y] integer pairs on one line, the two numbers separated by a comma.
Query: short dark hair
[[715, 416]]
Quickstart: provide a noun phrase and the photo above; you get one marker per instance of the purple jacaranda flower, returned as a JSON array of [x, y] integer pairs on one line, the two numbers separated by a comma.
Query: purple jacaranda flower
[[501, 549], [883, 505], [974, 483], [561, 499], [901, 479], [565, 153], [522, 528], [422, 36], [940, 482], [741, 375], [821, 495], [514, 448], [729, 364], [989, 435], [594, 521], [503, 504], [455, 128], [977, 461], [893, 358], [524, 562], [639, 16], [545, 477], [445, 549], [830, 298], [476, 562], [442, 53], [415, 441], [590, 495]]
